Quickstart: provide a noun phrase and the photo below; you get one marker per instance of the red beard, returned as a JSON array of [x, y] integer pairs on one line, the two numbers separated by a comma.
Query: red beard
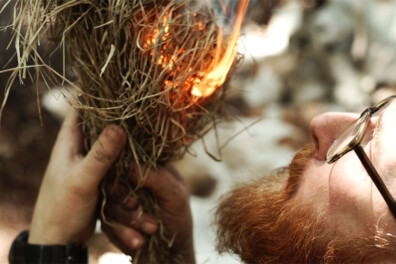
[[262, 224]]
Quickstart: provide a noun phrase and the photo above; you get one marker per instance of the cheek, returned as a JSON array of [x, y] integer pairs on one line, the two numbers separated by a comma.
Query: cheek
[[314, 186], [350, 195]]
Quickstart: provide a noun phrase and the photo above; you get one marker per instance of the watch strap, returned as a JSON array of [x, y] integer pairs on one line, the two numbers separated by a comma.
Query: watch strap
[[23, 252]]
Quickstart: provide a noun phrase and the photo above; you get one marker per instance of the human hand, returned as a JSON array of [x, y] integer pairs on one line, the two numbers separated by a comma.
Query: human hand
[[67, 202], [174, 209]]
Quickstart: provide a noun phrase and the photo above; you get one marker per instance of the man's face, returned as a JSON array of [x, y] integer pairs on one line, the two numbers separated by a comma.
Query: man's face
[[345, 193], [327, 213]]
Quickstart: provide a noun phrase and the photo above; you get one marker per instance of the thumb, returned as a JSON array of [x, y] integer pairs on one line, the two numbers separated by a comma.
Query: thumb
[[103, 153], [69, 141]]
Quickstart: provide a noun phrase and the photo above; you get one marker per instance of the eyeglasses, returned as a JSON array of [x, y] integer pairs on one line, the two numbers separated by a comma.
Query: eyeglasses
[[351, 139]]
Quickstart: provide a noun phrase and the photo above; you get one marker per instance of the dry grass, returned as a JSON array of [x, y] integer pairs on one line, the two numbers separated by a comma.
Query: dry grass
[[137, 62]]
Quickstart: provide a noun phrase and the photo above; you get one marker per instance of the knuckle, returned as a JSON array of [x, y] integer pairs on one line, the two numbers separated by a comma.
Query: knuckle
[[101, 154], [74, 184], [114, 134], [173, 172], [179, 193]]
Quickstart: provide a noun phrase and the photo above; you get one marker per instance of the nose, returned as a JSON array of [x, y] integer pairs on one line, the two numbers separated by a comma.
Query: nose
[[325, 128]]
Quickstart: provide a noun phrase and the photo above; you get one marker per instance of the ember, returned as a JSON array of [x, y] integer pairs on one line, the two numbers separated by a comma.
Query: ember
[[174, 59]]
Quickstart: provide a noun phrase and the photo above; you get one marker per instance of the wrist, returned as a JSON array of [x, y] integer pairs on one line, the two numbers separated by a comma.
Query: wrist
[[45, 229], [51, 235], [45, 238], [24, 252], [59, 233]]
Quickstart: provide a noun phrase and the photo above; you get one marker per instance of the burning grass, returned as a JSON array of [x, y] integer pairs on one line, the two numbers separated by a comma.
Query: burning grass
[[156, 68]]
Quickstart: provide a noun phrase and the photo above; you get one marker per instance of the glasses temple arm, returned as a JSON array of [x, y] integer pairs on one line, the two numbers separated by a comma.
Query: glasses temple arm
[[372, 172]]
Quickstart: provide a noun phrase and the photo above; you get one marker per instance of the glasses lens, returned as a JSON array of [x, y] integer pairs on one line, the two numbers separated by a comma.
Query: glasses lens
[[347, 140], [354, 134]]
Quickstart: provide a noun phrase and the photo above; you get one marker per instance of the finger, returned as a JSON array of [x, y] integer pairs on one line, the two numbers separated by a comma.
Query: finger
[[126, 239], [103, 153], [175, 173], [120, 194], [129, 202], [164, 185], [117, 192], [125, 199], [131, 218], [69, 140]]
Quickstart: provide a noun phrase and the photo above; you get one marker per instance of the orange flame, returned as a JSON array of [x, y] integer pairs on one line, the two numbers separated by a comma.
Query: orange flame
[[203, 83], [217, 73]]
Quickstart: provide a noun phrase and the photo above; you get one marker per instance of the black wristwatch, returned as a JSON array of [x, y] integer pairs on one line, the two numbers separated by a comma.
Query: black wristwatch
[[22, 252]]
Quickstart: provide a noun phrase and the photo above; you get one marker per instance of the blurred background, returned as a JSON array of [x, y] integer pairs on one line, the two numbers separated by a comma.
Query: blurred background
[[300, 58]]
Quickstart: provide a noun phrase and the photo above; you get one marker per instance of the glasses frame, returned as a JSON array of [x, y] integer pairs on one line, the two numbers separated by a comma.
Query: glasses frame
[[360, 128]]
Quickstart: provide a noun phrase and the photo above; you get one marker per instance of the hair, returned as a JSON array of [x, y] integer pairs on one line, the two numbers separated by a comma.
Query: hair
[[262, 224]]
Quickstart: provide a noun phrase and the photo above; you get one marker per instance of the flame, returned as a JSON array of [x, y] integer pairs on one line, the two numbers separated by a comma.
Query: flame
[[203, 83], [217, 73]]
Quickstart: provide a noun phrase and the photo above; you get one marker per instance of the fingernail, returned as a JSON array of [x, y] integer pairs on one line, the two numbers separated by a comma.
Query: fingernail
[[115, 133], [149, 228], [136, 243]]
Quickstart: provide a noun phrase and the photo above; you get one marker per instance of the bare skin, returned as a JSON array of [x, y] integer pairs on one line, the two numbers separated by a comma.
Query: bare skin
[[66, 208], [172, 196], [66, 205]]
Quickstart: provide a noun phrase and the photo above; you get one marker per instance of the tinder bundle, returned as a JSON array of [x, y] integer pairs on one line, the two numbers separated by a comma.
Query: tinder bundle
[[141, 64]]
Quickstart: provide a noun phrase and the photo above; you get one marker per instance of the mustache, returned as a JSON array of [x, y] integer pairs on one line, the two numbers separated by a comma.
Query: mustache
[[297, 168], [259, 222]]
